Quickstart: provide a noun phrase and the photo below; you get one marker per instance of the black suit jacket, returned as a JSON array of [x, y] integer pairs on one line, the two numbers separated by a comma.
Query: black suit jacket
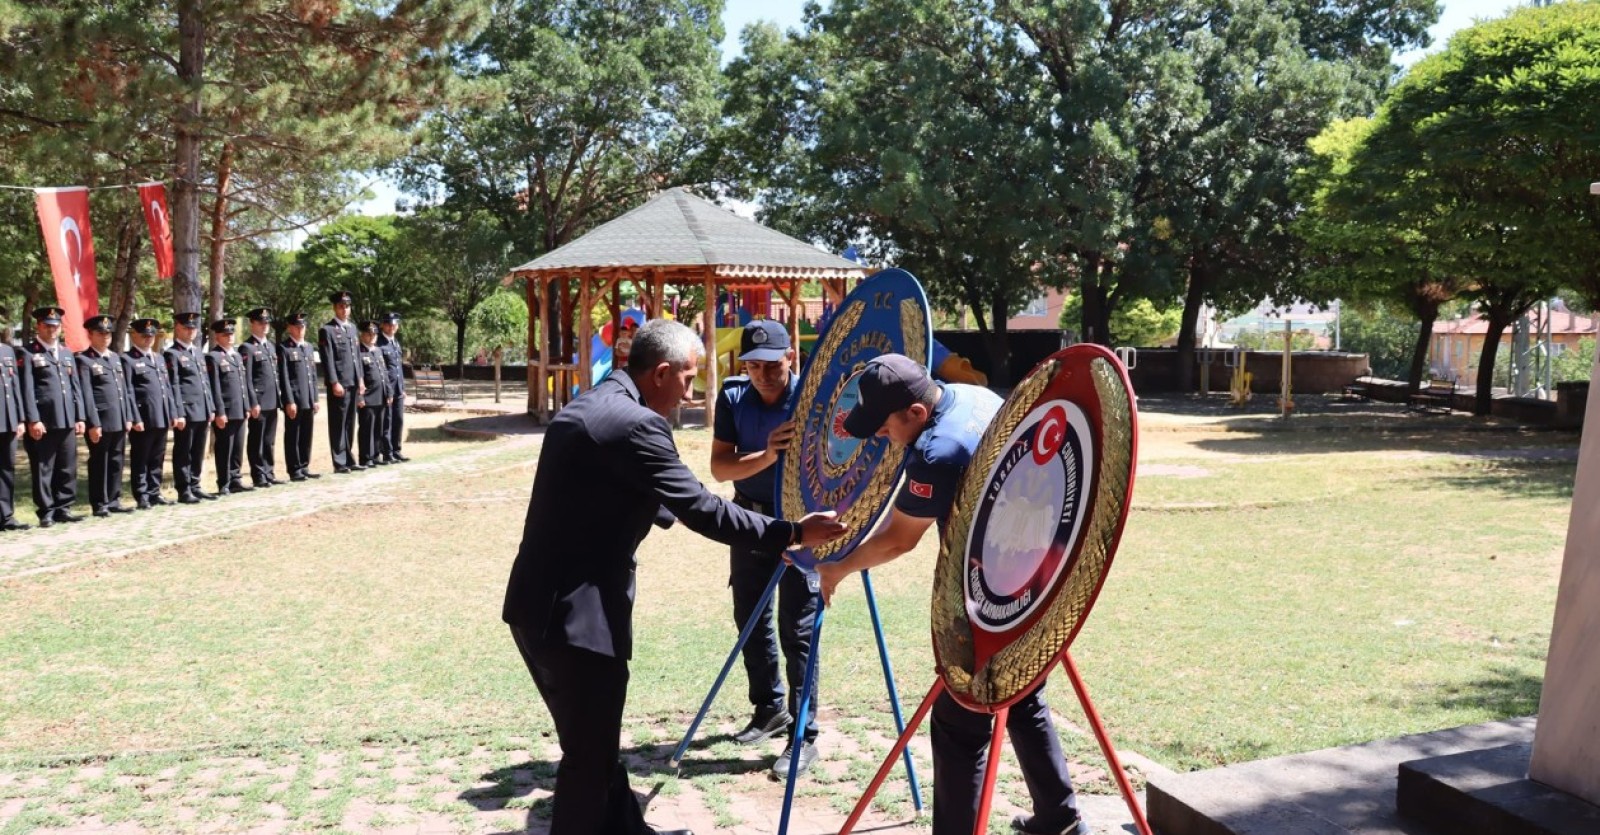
[[607, 469]]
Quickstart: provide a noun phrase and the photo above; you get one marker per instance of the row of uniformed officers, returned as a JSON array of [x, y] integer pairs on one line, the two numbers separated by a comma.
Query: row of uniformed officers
[[124, 405]]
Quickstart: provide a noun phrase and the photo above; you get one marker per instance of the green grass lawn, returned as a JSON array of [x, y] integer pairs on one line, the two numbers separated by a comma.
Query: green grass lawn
[[1275, 592]]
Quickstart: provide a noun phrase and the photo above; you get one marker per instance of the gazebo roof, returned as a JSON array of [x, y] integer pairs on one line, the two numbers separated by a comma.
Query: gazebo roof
[[677, 232]]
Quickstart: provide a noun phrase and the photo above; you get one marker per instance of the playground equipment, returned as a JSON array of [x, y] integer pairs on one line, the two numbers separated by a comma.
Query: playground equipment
[[1239, 389], [1286, 392]]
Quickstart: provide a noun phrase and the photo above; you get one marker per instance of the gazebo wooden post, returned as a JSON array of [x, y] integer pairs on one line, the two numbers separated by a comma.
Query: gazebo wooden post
[[585, 329], [794, 317], [535, 371], [712, 384]]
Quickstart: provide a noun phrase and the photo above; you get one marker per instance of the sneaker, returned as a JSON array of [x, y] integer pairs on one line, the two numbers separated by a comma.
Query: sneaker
[[764, 725], [1027, 825], [808, 755]]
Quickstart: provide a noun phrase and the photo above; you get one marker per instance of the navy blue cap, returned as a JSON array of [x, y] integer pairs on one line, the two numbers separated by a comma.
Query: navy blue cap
[[100, 323], [367, 326], [222, 326], [260, 314], [340, 297], [764, 340], [48, 315], [144, 327], [390, 318], [188, 320], [888, 384], [295, 319]]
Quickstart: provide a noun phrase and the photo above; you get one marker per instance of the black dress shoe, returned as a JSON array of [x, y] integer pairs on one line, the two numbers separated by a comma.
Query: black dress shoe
[[101, 513], [240, 487], [341, 470], [119, 508], [358, 467], [46, 521], [297, 478], [808, 755], [397, 458], [68, 516], [765, 724], [313, 475], [201, 494], [188, 498], [155, 500], [674, 832], [13, 525], [142, 504]]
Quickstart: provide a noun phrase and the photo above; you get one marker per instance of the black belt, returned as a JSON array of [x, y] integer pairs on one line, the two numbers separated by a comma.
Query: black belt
[[750, 504]]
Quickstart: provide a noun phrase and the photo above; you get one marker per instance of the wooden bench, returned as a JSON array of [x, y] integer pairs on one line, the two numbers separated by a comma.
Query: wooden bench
[[1359, 390], [1438, 397], [429, 384]]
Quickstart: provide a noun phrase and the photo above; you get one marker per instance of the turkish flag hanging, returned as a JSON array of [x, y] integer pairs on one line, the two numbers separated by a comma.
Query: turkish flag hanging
[[154, 198], [64, 218]]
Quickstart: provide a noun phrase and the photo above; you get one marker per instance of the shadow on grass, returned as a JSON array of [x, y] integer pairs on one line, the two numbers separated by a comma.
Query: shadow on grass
[[1504, 691]]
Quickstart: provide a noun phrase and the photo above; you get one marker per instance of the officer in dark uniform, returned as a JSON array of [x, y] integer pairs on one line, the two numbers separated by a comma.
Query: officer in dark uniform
[[112, 415], [152, 396], [297, 377], [374, 397], [752, 428], [394, 417], [940, 427], [191, 386], [233, 399], [13, 422], [341, 370], [53, 402], [261, 364]]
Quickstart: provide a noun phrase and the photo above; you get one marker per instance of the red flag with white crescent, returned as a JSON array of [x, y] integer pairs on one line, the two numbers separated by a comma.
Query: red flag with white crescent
[[64, 219], [154, 198]]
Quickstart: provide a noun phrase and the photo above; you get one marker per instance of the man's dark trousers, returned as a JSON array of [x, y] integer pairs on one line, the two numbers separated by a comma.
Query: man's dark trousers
[[961, 739], [105, 469], [749, 572], [585, 692], [147, 455], [8, 474], [54, 462], [260, 435], [188, 456], [342, 426], [297, 441]]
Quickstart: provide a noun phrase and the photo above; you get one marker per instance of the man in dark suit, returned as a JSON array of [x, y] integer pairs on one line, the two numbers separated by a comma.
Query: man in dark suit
[[261, 367], [112, 414], [186, 367], [341, 369], [13, 422], [152, 395], [608, 469], [394, 418], [53, 401], [297, 377], [233, 399], [374, 399]]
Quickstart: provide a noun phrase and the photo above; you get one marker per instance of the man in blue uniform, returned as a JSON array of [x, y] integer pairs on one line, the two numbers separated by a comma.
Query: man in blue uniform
[[152, 395], [13, 422], [607, 470], [261, 367], [52, 400], [752, 428], [233, 399], [341, 369], [112, 415], [394, 416], [941, 427], [191, 385], [297, 374], [374, 399]]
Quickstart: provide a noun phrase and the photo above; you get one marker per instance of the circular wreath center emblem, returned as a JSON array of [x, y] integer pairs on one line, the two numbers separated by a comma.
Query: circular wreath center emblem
[[1029, 516]]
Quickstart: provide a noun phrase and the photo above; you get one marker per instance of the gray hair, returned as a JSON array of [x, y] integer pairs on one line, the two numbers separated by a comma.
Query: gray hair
[[663, 340]]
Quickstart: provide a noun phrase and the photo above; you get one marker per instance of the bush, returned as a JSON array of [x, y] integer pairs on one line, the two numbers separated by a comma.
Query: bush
[[1387, 338]]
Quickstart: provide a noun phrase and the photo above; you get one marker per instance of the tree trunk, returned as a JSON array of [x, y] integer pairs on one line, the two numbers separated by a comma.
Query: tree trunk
[[997, 342], [125, 275], [219, 231], [498, 352], [1193, 301], [186, 173], [1483, 398], [1419, 351], [1096, 312], [461, 348]]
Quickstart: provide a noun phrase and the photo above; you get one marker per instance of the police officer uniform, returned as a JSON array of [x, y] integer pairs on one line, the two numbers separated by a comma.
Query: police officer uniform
[[261, 366], [12, 418], [111, 409], [935, 465], [341, 366], [157, 406], [297, 378], [191, 386], [394, 415], [745, 420], [374, 398], [53, 401], [233, 398]]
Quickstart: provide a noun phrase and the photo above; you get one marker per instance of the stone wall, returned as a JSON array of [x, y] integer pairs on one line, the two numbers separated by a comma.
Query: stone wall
[[1315, 372]]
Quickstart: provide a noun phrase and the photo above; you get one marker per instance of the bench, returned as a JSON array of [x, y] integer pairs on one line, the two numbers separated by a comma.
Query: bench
[[1436, 398], [1359, 390], [429, 384]]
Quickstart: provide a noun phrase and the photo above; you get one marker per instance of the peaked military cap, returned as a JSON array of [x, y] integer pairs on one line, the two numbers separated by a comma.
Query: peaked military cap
[[101, 324], [260, 314], [48, 315], [144, 327], [341, 297], [188, 320], [222, 326]]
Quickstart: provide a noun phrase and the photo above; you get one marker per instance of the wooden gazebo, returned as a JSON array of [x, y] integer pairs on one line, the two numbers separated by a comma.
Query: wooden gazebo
[[675, 239]]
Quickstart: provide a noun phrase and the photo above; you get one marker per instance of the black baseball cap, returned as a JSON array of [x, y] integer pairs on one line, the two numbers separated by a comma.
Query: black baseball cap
[[144, 327], [48, 315], [889, 383], [100, 323], [260, 314], [763, 340]]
